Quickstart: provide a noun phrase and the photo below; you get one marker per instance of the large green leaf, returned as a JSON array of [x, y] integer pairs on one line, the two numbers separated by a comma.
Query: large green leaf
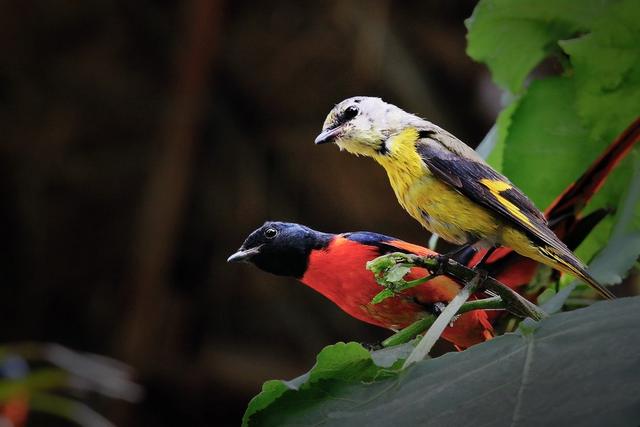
[[547, 147], [512, 37], [575, 368], [337, 365], [559, 125], [606, 66], [611, 264], [503, 123]]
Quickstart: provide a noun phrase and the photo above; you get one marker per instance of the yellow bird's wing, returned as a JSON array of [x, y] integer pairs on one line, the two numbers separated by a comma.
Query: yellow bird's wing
[[458, 165]]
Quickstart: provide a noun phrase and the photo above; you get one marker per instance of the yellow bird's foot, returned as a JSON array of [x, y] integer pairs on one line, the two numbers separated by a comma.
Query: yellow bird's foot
[[443, 262], [439, 307], [462, 254], [372, 346], [485, 257], [481, 276]]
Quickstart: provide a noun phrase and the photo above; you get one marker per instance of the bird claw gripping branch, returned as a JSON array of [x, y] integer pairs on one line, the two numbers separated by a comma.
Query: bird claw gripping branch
[[389, 271]]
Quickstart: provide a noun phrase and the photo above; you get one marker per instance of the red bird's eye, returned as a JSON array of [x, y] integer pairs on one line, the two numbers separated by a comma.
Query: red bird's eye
[[270, 233]]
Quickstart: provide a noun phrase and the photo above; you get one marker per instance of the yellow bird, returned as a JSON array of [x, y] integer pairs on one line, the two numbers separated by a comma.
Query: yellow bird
[[445, 185]]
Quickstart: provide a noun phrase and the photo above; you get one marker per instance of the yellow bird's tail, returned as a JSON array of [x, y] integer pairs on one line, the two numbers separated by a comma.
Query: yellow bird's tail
[[566, 262]]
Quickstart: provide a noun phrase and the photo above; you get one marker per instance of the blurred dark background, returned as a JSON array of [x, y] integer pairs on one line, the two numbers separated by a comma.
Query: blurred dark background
[[142, 142]]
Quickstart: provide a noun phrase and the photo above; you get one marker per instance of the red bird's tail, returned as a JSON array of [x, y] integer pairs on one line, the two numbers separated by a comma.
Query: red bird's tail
[[575, 197]]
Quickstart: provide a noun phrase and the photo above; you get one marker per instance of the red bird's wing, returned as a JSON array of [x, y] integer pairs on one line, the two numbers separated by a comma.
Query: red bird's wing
[[574, 198], [338, 272]]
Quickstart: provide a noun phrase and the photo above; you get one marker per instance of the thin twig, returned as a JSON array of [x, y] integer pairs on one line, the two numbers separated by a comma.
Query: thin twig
[[441, 265], [411, 331]]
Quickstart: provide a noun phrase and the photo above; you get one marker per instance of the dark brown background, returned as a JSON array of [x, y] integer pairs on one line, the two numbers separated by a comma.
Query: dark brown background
[[143, 140]]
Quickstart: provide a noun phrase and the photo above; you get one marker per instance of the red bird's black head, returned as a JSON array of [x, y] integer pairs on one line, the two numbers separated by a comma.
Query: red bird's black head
[[281, 248]]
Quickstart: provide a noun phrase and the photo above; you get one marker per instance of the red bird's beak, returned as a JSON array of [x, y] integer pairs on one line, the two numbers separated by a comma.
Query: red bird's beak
[[328, 135], [244, 255]]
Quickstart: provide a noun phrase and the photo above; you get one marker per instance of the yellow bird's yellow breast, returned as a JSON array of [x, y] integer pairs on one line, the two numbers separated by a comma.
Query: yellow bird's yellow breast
[[439, 207], [402, 162]]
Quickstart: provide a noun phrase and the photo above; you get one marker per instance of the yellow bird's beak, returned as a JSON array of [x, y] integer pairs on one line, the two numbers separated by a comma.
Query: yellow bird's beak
[[328, 135]]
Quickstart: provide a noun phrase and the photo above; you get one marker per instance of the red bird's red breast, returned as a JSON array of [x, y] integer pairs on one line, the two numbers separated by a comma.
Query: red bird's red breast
[[338, 272]]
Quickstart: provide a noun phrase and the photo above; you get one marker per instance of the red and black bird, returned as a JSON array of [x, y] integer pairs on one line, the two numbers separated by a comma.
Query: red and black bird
[[334, 264]]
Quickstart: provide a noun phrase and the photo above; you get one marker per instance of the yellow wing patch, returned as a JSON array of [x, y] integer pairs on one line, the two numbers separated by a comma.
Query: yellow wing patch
[[495, 188]]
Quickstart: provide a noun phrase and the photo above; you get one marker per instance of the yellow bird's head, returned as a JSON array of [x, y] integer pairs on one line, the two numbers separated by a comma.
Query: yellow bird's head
[[362, 125]]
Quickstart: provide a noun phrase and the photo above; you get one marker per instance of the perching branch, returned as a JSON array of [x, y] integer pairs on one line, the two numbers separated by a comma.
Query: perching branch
[[390, 269], [418, 327]]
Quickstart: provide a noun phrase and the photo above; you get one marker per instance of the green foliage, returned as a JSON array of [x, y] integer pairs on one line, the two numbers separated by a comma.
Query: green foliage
[[575, 368], [572, 368], [513, 37], [338, 366], [57, 374], [621, 252], [558, 125], [389, 271]]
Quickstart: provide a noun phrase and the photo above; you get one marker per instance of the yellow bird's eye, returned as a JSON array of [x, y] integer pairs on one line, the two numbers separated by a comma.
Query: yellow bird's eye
[[349, 113]]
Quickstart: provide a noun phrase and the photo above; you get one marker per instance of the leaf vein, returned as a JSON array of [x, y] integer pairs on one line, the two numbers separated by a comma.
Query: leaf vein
[[526, 368]]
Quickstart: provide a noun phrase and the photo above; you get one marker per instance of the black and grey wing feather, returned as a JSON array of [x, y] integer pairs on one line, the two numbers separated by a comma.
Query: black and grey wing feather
[[460, 167]]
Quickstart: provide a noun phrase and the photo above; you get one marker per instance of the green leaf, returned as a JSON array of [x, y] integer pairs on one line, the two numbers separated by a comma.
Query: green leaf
[[555, 303], [619, 235], [392, 357], [606, 65], [381, 263], [512, 37], [397, 272], [575, 368], [271, 391], [337, 364], [548, 147], [559, 125], [612, 264], [545, 296], [502, 130]]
